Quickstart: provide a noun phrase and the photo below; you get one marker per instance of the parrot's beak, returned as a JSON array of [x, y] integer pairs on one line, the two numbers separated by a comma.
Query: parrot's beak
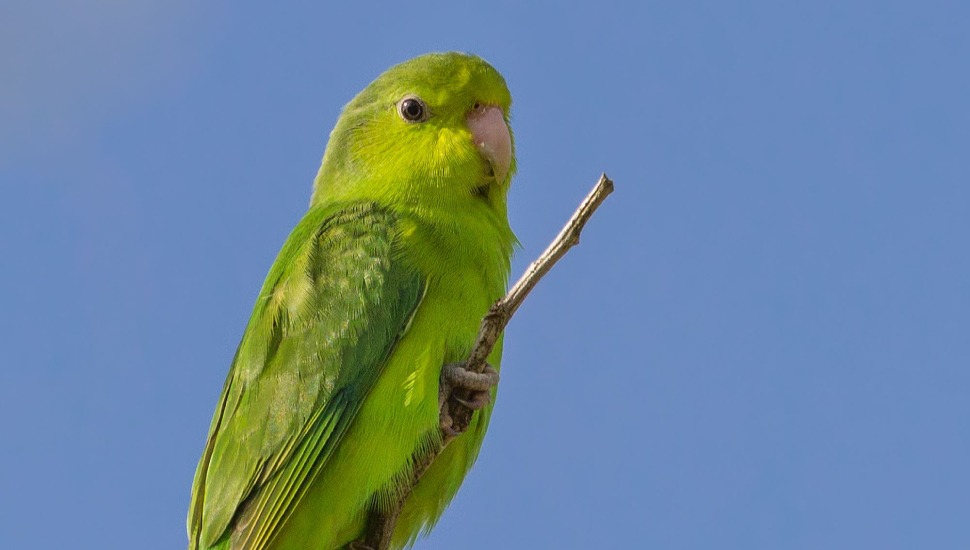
[[492, 138]]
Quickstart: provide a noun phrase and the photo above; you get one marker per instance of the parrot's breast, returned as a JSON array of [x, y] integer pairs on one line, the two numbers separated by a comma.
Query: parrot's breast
[[465, 270]]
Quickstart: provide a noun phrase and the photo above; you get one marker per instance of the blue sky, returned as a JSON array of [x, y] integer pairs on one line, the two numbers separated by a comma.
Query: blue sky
[[761, 343]]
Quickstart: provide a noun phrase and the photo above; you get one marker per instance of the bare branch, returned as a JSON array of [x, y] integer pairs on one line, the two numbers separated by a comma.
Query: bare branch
[[380, 525], [499, 315]]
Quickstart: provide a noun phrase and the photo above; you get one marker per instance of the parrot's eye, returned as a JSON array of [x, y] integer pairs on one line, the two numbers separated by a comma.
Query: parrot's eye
[[412, 109]]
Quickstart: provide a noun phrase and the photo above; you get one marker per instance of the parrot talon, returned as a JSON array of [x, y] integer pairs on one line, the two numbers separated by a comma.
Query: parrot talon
[[456, 375], [477, 400], [461, 393], [446, 425]]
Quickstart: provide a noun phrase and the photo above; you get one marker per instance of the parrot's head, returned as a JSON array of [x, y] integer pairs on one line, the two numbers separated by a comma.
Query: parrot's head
[[428, 132]]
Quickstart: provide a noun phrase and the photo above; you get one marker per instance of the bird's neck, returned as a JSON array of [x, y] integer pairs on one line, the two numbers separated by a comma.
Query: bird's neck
[[467, 247]]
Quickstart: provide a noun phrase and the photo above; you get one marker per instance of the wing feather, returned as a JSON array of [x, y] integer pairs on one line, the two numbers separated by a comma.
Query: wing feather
[[334, 304]]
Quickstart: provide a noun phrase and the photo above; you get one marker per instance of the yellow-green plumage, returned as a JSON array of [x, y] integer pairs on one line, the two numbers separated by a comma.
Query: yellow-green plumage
[[334, 386]]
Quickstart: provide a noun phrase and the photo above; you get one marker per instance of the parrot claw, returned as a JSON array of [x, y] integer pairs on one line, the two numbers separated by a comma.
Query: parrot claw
[[461, 393], [478, 400]]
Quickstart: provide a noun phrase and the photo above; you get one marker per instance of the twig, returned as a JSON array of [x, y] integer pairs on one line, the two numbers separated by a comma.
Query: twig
[[380, 526], [499, 315]]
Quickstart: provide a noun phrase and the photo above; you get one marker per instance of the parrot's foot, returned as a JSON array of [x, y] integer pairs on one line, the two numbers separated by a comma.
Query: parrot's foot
[[462, 392], [357, 545]]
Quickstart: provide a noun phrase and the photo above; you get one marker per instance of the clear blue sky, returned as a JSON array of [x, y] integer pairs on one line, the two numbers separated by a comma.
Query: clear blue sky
[[763, 341]]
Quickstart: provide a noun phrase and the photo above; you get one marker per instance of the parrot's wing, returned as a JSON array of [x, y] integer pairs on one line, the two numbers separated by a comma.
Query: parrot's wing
[[335, 303]]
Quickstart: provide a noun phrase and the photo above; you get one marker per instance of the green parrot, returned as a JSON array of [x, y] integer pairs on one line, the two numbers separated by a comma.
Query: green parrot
[[359, 333]]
